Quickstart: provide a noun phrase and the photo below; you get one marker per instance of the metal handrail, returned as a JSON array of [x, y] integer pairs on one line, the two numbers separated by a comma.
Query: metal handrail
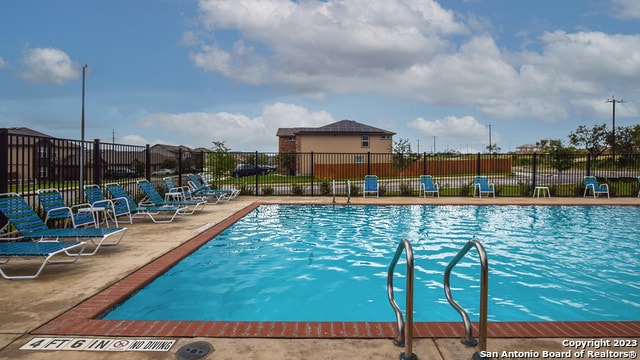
[[484, 293], [405, 333]]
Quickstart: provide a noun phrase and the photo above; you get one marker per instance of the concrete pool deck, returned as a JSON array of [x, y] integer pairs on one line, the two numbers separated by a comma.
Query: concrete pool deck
[[28, 308]]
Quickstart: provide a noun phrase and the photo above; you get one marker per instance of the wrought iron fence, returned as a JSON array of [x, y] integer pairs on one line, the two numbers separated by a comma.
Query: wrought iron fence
[[29, 162]]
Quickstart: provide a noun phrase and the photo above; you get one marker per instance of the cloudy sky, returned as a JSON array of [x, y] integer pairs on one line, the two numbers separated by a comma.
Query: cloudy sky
[[448, 72]]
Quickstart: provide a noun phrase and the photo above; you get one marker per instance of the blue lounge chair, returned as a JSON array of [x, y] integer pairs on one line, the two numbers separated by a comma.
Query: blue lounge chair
[[43, 249], [591, 183], [28, 225], [55, 209], [481, 186], [370, 185], [188, 193], [167, 212], [199, 185], [112, 207], [153, 198], [428, 186]]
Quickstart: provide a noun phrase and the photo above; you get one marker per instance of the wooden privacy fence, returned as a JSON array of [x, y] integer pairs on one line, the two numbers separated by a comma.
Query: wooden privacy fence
[[425, 166]]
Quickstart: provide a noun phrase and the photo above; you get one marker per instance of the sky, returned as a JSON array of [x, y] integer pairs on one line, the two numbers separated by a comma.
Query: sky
[[443, 75]]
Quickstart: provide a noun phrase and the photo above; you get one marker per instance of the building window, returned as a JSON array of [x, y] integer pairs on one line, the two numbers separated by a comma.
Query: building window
[[42, 151], [292, 138], [365, 141], [359, 159], [42, 172], [385, 137]]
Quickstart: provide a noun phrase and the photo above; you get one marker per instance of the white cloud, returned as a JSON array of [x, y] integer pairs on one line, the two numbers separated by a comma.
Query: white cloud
[[451, 129], [48, 65], [627, 9], [237, 131], [415, 49]]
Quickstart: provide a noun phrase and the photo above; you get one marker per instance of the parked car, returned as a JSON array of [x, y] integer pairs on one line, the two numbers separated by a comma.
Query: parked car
[[250, 169], [163, 172], [121, 174]]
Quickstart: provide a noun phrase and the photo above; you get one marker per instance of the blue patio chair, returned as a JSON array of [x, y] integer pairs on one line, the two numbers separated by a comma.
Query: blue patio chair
[[591, 183], [481, 186], [198, 186], [31, 250], [153, 198], [211, 197], [168, 213], [55, 209], [428, 186], [28, 225], [370, 185]]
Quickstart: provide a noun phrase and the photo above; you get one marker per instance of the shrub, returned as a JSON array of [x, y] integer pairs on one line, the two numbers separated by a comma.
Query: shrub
[[297, 189], [267, 190]]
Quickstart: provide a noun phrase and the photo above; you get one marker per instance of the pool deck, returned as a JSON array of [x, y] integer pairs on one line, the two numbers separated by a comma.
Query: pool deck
[[64, 300]]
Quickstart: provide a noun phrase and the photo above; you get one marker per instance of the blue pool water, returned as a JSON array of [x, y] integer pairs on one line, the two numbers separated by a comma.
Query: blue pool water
[[329, 263]]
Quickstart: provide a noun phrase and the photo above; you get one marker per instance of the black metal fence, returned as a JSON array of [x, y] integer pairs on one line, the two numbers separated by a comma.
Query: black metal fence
[[29, 162]]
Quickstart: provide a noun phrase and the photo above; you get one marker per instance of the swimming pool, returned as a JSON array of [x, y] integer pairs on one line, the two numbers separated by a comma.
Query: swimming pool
[[546, 264]]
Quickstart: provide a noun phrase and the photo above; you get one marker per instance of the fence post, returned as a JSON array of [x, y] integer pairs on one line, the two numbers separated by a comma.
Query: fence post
[[179, 166], [588, 164], [4, 160], [534, 170], [478, 173], [4, 167], [424, 163], [97, 164], [313, 171], [257, 173], [147, 161], [368, 163]]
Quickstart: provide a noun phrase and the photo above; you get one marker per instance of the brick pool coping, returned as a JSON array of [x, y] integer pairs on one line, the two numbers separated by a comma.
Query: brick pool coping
[[84, 319]]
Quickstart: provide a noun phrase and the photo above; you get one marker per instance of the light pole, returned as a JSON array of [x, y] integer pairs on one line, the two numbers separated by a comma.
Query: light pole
[[82, 134]]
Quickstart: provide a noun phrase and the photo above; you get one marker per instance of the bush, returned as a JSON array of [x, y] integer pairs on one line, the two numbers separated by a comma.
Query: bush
[[406, 189], [354, 190], [325, 188], [267, 190], [297, 189]]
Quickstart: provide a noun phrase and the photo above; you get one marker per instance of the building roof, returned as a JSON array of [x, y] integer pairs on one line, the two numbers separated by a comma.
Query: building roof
[[340, 127]]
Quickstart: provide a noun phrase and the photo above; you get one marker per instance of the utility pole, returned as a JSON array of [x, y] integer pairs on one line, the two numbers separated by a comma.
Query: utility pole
[[490, 148], [613, 102]]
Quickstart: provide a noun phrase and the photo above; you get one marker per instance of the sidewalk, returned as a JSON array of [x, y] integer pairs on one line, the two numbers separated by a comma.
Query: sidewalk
[[27, 305]]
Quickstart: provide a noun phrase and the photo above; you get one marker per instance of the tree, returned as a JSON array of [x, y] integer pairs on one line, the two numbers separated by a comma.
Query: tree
[[219, 161], [594, 140], [561, 158], [401, 157], [493, 148]]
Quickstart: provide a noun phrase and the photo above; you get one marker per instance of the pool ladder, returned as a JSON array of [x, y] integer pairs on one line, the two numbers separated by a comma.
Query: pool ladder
[[405, 331], [484, 293]]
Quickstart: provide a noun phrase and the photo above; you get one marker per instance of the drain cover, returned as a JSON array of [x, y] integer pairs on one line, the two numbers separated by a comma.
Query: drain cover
[[194, 351]]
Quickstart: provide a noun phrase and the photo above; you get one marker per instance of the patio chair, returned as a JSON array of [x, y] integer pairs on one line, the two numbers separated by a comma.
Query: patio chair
[[188, 192], [370, 185], [55, 209], [168, 213], [45, 249], [199, 185], [428, 186], [153, 198], [481, 185], [28, 225], [591, 183]]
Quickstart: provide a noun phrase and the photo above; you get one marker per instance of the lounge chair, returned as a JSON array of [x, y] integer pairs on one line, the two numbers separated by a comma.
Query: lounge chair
[[167, 212], [188, 193], [370, 185], [428, 186], [153, 198], [55, 209], [481, 186], [28, 225], [199, 185], [44, 249], [114, 207], [591, 183]]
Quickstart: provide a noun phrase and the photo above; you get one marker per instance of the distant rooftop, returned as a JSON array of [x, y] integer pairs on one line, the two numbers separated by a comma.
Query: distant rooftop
[[340, 127]]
